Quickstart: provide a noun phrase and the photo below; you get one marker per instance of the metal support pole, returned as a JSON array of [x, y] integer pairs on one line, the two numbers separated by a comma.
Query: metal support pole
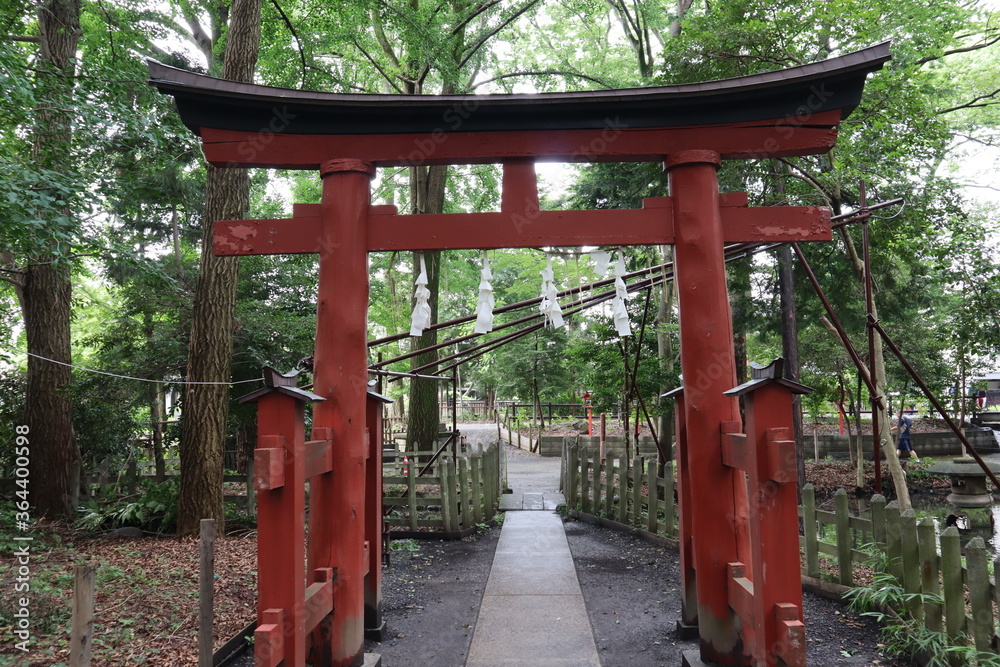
[[828, 307], [937, 405]]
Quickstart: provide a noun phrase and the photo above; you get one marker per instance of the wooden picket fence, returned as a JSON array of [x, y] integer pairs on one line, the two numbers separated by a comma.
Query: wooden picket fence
[[450, 500], [596, 487], [944, 593]]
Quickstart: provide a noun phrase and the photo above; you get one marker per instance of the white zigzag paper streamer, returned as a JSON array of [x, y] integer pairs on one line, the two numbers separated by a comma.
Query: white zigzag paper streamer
[[484, 310], [549, 306], [622, 325], [601, 260], [421, 318]]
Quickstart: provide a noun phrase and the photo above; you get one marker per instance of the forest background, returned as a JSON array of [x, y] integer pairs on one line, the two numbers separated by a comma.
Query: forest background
[[105, 203]]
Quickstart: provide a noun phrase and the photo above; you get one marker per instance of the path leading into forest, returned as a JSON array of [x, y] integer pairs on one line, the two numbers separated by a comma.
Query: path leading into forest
[[436, 605], [533, 611]]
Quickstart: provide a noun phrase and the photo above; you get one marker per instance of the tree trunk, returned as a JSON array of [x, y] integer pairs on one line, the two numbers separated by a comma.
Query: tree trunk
[[49, 408], [790, 351], [681, 9], [877, 369], [963, 371], [210, 349], [789, 327], [859, 478], [424, 415], [47, 290], [156, 419], [427, 196]]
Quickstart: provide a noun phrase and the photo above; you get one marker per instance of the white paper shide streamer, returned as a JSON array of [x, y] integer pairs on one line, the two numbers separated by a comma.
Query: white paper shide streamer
[[484, 310], [421, 318], [601, 260], [621, 295], [549, 306]]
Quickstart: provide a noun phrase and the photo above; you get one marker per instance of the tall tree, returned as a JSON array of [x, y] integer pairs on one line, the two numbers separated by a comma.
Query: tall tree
[[227, 197], [419, 48], [47, 287]]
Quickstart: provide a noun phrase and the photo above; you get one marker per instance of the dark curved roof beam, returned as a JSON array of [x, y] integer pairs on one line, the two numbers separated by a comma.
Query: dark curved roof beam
[[788, 112]]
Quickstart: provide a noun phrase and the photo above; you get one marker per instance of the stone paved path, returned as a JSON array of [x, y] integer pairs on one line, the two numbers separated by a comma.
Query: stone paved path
[[533, 611]]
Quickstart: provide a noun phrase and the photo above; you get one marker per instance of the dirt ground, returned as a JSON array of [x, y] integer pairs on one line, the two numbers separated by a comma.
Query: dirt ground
[[632, 592], [431, 601]]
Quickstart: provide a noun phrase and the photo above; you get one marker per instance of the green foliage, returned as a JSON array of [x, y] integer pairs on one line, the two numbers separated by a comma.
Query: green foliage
[[239, 520], [886, 601], [154, 509], [13, 384], [104, 417], [404, 545]]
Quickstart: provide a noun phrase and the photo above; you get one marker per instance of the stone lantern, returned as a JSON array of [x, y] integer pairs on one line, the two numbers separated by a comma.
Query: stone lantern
[[968, 481]]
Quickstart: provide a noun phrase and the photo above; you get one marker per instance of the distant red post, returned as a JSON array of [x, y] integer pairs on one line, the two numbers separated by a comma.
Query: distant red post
[[709, 369], [337, 499]]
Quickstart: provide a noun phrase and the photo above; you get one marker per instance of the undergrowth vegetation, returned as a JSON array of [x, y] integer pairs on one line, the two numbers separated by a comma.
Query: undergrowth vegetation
[[885, 600]]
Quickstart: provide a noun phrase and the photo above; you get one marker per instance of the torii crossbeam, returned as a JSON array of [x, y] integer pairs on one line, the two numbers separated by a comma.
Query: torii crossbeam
[[690, 128]]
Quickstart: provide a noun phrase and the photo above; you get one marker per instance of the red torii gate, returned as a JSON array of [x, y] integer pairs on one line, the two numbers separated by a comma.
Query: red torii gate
[[690, 128]]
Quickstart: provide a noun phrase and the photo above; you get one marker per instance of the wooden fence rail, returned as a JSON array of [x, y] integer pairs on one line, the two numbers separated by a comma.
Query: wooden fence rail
[[943, 593], [454, 496]]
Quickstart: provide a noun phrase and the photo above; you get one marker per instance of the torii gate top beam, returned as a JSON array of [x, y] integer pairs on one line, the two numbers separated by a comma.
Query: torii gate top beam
[[788, 112]]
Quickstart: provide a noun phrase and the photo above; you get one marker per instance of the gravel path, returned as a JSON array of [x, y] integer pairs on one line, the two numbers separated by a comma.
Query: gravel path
[[630, 587], [431, 599], [631, 590]]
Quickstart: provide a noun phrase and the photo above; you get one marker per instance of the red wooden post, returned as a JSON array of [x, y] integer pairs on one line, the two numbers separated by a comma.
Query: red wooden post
[[279, 467], [519, 194], [337, 499], [374, 625], [687, 626], [776, 607], [709, 370]]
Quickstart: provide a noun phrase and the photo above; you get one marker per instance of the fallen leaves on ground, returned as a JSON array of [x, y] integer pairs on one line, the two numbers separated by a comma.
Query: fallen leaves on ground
[[145, 602]]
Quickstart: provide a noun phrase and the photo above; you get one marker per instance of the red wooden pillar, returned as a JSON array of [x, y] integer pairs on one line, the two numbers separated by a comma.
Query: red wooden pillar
[[374, 625], [280, 477], [776, 609], [337, 498], [709, 369], [687, 626]]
